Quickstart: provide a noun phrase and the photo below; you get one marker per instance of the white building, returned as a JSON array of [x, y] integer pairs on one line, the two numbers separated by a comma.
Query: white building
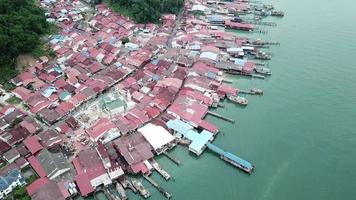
[[159, 138]]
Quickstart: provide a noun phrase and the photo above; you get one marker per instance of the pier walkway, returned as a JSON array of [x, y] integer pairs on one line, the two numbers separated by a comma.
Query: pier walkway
[[221, 117], [231, 158]]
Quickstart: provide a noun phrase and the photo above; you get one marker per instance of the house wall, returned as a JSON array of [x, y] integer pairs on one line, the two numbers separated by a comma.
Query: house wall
[[103, 179]]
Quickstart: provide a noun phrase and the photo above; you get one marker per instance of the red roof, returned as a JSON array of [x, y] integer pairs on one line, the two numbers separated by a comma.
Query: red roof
[[84, 185], [139, 167], [36, 165], [101, 127], [33, 187], [33, 144], [63, 189]]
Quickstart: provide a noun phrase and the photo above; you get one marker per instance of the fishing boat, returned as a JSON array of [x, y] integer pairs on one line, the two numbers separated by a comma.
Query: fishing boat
[[237, 99], [256, 91], [141, 189], [263, 70], [121, 191]]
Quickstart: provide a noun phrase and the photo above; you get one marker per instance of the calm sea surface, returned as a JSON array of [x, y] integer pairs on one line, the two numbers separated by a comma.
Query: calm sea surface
[[301, 134]]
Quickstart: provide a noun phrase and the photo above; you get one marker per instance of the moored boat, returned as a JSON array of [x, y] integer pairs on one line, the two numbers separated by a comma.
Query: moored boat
[[263, 70], [237, 99], [141, 189], [256, 91], [121, 191], [277, 13]]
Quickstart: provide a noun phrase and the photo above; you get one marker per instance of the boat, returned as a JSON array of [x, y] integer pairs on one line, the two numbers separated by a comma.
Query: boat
[[256, 91], [262, 56], [121, 191], [277, 13], [263, 70], [237, 99], [141, 189], [127, 184]]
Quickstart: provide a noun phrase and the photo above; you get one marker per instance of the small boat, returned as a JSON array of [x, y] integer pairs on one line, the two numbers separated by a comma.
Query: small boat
[[277, 13], [141, 189], [262, 56], [237, 99], [263, 70], [121, 191], [256, 91]]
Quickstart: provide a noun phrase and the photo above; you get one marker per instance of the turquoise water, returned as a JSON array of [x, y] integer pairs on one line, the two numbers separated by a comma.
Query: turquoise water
[[301, 133]]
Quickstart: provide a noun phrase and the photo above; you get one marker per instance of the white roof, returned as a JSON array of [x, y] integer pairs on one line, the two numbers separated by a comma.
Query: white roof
[[157, 136], [199, 7], [234, 49], [210, 55]]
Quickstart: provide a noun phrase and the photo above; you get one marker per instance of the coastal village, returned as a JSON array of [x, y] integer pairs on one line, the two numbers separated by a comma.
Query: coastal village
[[96, 117]]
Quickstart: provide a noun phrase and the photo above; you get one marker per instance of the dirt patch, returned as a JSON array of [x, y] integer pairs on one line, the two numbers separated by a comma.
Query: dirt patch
[[23, 61]]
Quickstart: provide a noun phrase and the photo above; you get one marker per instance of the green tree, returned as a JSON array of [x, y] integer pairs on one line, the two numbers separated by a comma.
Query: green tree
[[125, 40], [21, 25]]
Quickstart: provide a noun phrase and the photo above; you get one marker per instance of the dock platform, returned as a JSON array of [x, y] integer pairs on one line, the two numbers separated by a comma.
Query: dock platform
[[172, 158], [161, 171], [232, 159], [221, 117], [159, 188]]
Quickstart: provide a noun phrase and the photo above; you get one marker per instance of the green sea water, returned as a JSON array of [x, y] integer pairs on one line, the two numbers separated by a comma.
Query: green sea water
[[301, 134]]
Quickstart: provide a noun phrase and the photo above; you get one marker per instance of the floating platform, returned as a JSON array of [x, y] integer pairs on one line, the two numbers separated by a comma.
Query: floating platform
[[232, 159]]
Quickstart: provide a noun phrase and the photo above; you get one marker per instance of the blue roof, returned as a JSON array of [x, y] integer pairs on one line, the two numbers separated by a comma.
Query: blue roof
[[58, 69], [48, 92], [118, 64], [156, 77], [112, 40], [12, 176], [216, 149], [85, 53], [199, 140], [155, 61], [239, 61], [230, 156], [57, 37], [179, 126], [211, 75], [238, 160], [215, 18]]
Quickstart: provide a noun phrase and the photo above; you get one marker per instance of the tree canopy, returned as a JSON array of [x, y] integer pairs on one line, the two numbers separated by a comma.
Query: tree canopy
[[21, 25], [144, 11]]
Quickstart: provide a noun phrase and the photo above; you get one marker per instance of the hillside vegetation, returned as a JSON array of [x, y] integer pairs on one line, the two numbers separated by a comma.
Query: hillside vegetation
[[22, 23], [144, 11]]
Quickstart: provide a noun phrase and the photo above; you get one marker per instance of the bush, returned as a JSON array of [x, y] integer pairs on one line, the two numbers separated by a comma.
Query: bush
[[125, 40], [13, 100]]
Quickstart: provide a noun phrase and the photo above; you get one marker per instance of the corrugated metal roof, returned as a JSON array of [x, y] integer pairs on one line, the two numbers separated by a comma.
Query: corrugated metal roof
[[179, 126]]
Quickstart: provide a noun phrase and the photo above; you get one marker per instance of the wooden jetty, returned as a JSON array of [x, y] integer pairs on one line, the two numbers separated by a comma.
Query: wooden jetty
[[221, 117], [172, 158], [161, 171], [159, 188], [253, 91]]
